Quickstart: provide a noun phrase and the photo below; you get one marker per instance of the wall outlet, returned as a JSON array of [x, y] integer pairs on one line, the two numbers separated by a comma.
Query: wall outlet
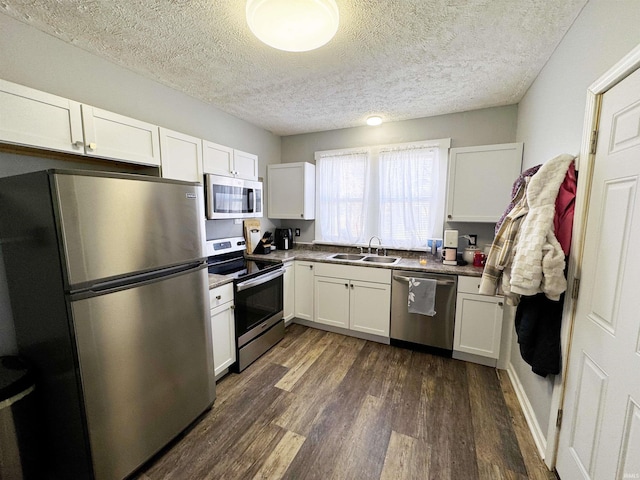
[[297, 232]]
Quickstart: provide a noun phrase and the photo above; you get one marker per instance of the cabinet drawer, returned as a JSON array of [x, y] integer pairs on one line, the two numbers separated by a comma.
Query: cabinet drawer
[[220, 295], [468, 284]]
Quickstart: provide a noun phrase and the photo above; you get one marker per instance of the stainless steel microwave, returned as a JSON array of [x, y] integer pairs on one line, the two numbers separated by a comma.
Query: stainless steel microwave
[[228, 197]]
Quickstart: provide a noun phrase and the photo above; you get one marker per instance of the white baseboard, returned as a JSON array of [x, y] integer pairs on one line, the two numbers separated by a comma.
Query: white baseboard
[[538, 437]]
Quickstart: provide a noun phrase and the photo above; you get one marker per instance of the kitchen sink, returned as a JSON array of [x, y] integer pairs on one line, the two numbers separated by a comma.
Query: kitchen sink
[[381, 259], [354, 257], [347, 256]]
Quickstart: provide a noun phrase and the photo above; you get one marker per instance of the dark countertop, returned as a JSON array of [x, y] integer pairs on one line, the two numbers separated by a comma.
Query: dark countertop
[[432, 266], [285, 256]]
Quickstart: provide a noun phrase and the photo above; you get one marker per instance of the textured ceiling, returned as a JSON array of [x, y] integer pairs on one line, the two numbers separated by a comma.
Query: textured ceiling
[[400, 59]]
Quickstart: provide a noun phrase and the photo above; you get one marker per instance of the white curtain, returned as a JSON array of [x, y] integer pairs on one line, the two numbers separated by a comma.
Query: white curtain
[[342, 193], [411, 202]]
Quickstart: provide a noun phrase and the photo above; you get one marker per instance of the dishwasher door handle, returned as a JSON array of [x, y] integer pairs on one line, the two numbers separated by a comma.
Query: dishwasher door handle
[[441, 283]]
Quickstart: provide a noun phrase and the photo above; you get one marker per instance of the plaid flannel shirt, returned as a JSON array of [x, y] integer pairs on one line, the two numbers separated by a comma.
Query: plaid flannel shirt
[[495, 275]]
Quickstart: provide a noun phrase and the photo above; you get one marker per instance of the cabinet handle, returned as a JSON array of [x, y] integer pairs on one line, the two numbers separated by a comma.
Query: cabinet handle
[[232, 307], [92, 146], [449, 217], [302, 215], [218, 297], [346, 285], [352, 286], [500, 304], [311, 267], [78, 144]]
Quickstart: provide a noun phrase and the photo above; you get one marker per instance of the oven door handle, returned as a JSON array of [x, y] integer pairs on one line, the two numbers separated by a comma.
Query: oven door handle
[[254, 282]]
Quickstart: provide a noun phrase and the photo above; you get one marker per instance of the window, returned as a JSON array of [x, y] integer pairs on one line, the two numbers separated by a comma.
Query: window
[[393, 191]]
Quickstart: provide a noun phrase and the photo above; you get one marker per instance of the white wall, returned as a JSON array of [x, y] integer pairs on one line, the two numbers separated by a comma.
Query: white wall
[[478, 127], [550, 119], [32, 58]]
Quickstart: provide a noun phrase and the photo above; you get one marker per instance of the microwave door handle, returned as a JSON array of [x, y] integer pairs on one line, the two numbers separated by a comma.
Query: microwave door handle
[[250, 201]]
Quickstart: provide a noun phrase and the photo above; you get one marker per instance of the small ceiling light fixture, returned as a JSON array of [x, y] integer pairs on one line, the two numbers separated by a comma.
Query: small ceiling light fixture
[[374, 121], [293, 25]]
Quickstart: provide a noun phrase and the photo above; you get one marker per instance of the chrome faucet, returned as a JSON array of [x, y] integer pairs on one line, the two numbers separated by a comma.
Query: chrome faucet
[[379, 245]]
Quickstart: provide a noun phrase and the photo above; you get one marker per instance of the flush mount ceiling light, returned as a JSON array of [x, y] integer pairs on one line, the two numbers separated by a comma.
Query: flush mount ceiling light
[[293, 25], [374, 121]]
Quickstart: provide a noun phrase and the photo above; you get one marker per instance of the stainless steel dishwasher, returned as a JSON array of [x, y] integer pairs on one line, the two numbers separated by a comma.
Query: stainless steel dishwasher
[[412, 330]]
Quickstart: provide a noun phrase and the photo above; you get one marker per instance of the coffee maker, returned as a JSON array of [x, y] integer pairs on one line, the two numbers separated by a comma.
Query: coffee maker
[[284, 238], [450, 247]]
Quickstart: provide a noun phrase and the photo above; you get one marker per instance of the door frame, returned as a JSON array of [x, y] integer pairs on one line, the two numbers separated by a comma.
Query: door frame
[[586, 162]]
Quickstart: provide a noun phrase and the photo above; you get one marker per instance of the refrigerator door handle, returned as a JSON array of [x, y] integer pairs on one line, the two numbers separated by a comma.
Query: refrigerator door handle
[[141, 277]]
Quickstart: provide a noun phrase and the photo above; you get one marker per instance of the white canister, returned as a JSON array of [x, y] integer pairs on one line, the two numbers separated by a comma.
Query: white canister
[[468, 253]]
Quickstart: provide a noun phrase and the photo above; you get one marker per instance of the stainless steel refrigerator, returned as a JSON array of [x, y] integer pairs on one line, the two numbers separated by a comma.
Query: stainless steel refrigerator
[[108, 285]]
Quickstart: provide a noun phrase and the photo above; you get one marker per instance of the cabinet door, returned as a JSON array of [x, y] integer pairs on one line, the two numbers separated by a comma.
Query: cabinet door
[[224, 338], [217, 159], [245, 165], [289, 291], [37, 119], [480, 181], [370, 307], [114, 136], [181, 156], [291, 191], [332, 301], [303, 304], [478, 327]]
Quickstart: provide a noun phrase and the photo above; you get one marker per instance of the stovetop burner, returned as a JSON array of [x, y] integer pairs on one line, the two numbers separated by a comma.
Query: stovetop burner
[[226, 257]]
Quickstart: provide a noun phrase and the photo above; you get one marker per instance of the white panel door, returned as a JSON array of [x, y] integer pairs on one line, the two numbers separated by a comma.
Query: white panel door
[[181, 156], [600, 433]]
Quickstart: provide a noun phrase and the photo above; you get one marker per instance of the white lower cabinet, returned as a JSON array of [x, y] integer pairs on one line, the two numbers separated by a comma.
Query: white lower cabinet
[[303, 294], [331, 297], [222, 328], [478, 325], [289, 291], [355, 298]]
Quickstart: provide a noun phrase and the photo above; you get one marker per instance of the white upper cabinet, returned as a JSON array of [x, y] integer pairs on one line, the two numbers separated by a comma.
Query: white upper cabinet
[[38, 119], [291, 190], [181, 156], [110, 135], [245, 165], [221, 160], [480, 181]]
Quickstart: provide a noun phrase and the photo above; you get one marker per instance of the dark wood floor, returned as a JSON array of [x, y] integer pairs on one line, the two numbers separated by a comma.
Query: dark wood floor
[[325, 406]]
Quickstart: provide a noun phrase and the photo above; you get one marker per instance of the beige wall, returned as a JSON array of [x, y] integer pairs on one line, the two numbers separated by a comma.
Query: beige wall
[[551, 113]]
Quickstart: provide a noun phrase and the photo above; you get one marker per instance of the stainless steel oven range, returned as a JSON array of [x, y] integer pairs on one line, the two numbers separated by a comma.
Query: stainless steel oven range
[[258, 290]]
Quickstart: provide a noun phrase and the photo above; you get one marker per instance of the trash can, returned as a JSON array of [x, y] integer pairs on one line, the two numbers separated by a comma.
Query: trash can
[[18, 424]]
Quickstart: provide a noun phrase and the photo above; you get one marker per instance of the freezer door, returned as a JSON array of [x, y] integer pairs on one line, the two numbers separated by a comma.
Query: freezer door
[[113, 226], [146, 368]]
